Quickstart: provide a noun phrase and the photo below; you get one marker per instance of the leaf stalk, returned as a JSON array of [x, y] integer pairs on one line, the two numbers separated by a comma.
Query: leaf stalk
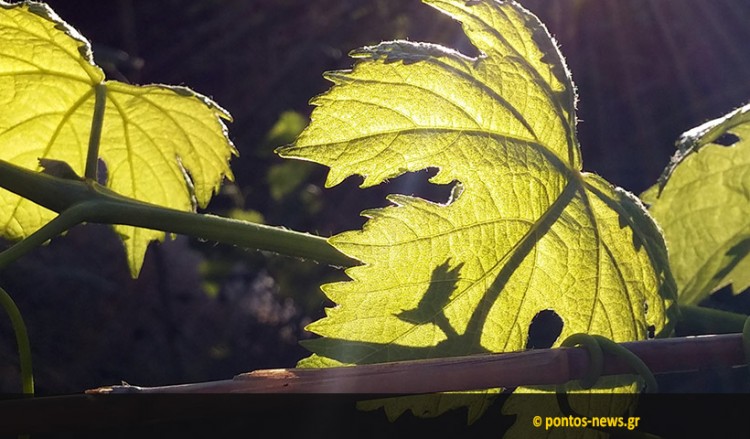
[[88, 201], [97, 122]]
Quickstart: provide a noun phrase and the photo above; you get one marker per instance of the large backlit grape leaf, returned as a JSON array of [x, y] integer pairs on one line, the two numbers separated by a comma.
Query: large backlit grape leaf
[[160, 144], [703, 204], [525, 230]]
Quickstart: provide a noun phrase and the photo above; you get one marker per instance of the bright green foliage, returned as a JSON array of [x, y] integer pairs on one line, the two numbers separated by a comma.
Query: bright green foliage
[[525, 230], [702, 206], [152, 137]]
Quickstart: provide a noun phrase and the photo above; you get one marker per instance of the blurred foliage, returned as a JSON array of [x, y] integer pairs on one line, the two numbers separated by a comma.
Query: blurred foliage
[[285, 178]]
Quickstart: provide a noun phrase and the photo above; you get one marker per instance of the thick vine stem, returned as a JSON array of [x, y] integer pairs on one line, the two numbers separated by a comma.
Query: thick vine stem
[[536, 367], [87, 201], [596, 345], [596, 357]]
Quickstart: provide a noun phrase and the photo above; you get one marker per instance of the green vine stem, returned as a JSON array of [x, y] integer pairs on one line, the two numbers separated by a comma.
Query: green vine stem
[[87, 201], [699, 320], [60, 224], [22, 339]]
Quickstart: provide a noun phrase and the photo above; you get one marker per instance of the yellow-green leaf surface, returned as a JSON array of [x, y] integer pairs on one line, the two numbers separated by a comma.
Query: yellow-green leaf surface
[[160, 144], [525, 230], [703, 206]]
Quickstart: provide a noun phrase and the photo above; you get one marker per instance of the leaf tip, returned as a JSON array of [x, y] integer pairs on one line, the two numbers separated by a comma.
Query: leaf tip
[[47, 13]]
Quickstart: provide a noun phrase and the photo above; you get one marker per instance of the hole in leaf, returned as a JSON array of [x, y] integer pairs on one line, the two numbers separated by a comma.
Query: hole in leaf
[[544, 329], [651, 331], [416, 184], [727, 139], [101, 172]]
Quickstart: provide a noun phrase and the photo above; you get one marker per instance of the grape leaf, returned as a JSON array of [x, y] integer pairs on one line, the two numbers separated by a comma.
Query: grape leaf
[[160, 144], [701, 203], [525, 229]]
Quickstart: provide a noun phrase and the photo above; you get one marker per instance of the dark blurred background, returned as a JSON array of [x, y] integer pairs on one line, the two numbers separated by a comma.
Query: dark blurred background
[[646, 71]]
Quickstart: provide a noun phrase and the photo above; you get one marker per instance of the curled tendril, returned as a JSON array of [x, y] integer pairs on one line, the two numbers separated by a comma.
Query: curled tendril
[[596, 345], [596, 357]]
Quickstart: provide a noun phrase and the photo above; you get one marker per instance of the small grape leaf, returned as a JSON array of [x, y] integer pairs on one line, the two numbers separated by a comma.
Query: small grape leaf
[[702, 203], [161, 144], [525, 230]]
